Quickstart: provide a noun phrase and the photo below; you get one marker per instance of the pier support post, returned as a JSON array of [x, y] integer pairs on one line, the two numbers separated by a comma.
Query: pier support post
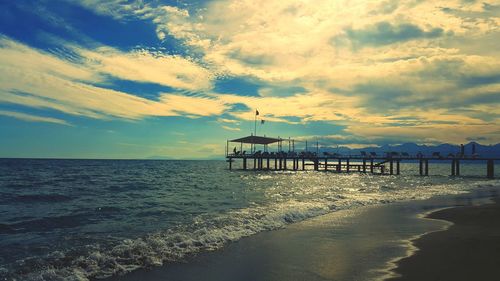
[[316, 166], [254, 163], [490, 169], [276, 163], [391, 167], [244, 163], [397, 167], [371, 166], [284, 163], [457, 167], [303, 164], [281, 163], [453, 167], [364, 165], [268, 163], [421, 166], [230, 163], [326, 164], [339, 167], [426, 167], [347, 168]]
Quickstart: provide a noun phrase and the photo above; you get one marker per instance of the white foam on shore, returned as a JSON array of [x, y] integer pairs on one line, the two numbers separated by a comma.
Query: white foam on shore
[[212, 231], [388, 270]]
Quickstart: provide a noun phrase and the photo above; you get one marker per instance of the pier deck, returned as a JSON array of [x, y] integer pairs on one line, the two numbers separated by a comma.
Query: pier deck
[[367, 163], [350, 163]]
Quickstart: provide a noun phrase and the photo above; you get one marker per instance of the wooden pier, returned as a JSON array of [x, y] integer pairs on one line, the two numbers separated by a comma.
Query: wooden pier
[[388, 164]]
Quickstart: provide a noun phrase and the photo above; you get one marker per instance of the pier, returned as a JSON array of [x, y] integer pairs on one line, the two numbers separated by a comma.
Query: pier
[[312, 159]]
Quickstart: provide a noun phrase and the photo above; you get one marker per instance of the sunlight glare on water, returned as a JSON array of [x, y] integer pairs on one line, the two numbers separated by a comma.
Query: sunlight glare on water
[[62, 219]]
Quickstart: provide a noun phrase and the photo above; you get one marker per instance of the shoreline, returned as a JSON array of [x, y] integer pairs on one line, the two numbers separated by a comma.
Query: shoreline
[[355, 244], [468, 250], [409, 244]]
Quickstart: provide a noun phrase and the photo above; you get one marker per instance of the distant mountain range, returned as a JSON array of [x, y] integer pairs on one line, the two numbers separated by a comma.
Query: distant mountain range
[[413, 149]]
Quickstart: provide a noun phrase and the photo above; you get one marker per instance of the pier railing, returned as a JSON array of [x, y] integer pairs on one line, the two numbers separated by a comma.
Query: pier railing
[[376, 164], [311, 156]]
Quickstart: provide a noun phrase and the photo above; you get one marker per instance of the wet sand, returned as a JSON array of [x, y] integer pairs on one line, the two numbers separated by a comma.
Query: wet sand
[[468, 250], [357, 244], [345, 245]]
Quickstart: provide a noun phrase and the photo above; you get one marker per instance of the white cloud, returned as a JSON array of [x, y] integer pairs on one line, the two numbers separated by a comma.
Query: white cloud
[[34, 78], [449, 133], [225, 120], [317, 106], [230, 128], [33, 118], [294, 43], [143, 66]]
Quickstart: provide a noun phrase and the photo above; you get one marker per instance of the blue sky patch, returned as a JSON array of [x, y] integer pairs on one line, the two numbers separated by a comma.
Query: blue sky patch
[[237, 85], [151, 91]]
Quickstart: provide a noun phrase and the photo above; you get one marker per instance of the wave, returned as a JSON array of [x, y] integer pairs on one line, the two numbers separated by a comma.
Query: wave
[[36, 198], [48, 223], [9, 198], [171, 245], [206, 232], [6, 229], [51, 223]]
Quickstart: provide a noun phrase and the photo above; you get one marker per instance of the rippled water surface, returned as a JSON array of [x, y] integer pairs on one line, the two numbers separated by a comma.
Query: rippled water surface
[[80, 219]]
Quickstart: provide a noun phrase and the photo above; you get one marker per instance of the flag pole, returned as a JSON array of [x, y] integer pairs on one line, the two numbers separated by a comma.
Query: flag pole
[[255, 125], [255, 122], [255, 128]]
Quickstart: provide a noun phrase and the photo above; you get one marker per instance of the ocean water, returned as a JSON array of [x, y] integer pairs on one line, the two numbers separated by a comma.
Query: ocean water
[[87, 219]]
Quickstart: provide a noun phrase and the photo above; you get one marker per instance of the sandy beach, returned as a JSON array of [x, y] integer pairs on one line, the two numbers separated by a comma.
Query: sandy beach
[[468, 250], [357, 244]]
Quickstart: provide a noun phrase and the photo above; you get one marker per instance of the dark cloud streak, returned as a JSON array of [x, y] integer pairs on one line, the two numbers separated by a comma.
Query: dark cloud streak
[[385, 33]]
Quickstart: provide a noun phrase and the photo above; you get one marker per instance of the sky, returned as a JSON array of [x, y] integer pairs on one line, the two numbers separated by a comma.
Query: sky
[[175, 79]]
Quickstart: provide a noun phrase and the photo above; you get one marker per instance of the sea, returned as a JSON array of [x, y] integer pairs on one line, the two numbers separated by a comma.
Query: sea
[[92, 219]]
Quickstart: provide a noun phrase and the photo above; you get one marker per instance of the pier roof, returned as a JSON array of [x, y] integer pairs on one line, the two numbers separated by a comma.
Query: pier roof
[[256, 140]]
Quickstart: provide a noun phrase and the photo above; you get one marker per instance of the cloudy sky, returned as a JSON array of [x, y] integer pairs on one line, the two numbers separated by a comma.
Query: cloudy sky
[[137, 79]]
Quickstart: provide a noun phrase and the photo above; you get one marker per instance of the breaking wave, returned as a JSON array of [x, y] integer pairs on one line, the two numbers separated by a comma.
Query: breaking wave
[[98, 223]]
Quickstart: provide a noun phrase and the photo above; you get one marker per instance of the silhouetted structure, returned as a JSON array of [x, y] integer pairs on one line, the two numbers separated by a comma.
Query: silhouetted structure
[[365, 162]]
